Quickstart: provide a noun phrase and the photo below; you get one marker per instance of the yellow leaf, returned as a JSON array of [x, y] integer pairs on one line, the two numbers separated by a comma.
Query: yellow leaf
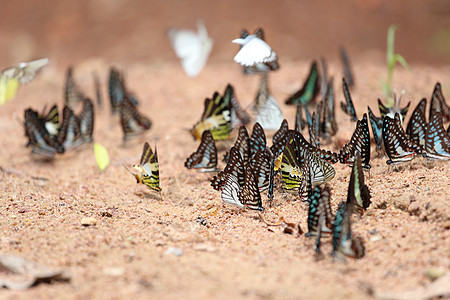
[[101, 156], [3, 81]]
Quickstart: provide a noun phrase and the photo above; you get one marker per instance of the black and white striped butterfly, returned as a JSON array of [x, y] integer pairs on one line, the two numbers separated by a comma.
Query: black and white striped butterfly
[[235, 166], [73, 94], [417, 125], [377, 129], [319, 206], [38, 136], [359, 142], [86, 118], [69, 135], [205, 158], [343, 242], [398, 146], [358, 193], [260, 163], [246, 195], [437, 141], [132, 121], [257, 139], [348, 106], [320, 171], [242, 143], [438, 104]]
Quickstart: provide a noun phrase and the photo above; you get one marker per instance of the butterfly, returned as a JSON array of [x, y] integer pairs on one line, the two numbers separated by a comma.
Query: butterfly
[[148, 169], [242, 143], [377, 129], [257, 139], [118, 91], [348, 107], [38, 136], [343, 242], [319, 170], [278, 139], [299, 121], [98, 91], [192, 48], [268, 112], [417, 125], [348, 74], [205, 157], [359, 142], [313, 134], [438, 104], [329, 124], [86, 119], [216, 118], [242, 196], [293, 168], [132, 121], [73, 94], [259, 67], [319, 205], [253, 51], [323, 78], [398, 146], [437, 142], [309, 90], [386, 111], [261, 166], [317, 121], [12, 77], [51, 120], [235, 166], [303, 147], [271, 179], [69, 135], [358, 194], [238, 115]]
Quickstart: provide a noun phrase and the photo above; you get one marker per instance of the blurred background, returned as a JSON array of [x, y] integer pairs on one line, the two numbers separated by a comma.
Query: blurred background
[[123, 31]]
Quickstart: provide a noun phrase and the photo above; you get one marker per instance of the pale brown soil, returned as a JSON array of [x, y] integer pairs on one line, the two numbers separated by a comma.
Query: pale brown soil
[[235, 255]]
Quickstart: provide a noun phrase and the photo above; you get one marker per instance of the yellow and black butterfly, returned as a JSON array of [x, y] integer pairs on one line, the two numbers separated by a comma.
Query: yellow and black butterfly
[[38, 136], [319, 205], [417, 125], [438, 104], [348, 106], [51, 120], [132, 121], [359, 142], [69, 135], [437, 142], [11, 78], [235, 166], [343, 242], [358, 194], [205, 158], [398, 146], [309, 90], [73, 94], [86, 118], [293, 168], [216, 118], [148, 169]]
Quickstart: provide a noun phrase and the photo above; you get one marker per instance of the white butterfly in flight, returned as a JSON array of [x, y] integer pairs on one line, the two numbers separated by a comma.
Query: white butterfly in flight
[[253, 51], [11, 78], [192, 48]]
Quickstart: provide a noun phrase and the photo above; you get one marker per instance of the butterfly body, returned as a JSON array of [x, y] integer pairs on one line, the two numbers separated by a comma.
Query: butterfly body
[[148, 169]]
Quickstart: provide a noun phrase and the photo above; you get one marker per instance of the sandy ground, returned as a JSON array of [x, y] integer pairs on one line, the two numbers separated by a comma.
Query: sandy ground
[[406, 229], [235, 254]]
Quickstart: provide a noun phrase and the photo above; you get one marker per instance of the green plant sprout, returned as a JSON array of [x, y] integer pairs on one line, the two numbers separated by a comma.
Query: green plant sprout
[[392, 59]]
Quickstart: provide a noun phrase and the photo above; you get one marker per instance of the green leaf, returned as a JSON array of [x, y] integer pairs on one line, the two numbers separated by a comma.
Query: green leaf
[[101, 156], [402, 61]]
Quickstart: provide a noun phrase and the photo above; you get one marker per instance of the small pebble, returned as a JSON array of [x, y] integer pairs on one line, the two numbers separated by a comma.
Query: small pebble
[[434, 273], [174, 251], [88, 221]]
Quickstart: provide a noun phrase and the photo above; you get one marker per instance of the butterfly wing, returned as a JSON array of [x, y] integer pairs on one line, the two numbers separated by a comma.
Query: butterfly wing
[[348, 107], [249, 195], [377, 128], [417, 125], [255, 51], [150, 167], [358, 194], [437, 142], [132, 121], [86, 118], [261, 166], [73, 94], [309, 90], [234, 166], [206, 155], [359, 142], [231, 191]]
